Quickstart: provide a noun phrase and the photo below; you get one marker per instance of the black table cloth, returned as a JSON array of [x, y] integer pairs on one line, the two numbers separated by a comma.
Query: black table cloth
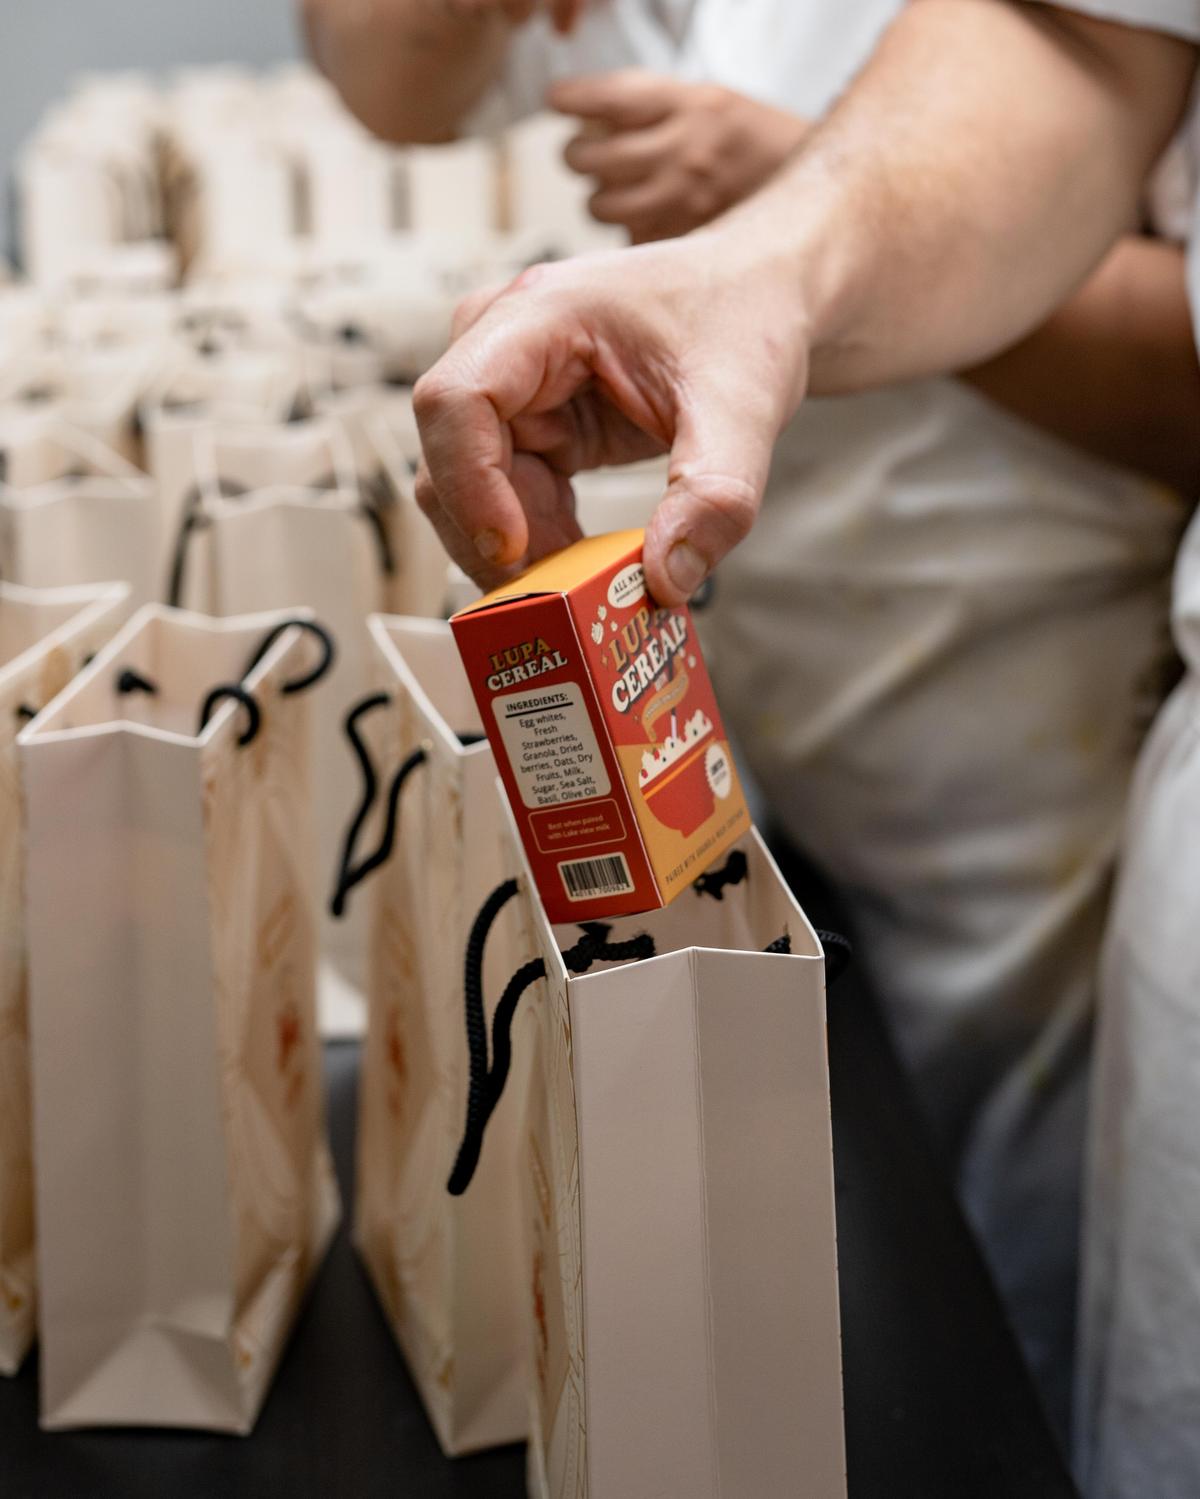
[[938, 1404]]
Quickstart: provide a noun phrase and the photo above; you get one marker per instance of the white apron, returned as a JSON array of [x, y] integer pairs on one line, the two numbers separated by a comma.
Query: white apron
[[939, 648], [1137, 1404]]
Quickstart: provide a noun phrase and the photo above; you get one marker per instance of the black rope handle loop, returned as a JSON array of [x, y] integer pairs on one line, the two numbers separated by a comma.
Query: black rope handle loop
[[349, 873], [482, 1101], [594, 947], [478, 1090], [383, 542], [310, 678], [343, 883], [839, 952], [713, 882], [132, 681], [192, 519], [239, 695]]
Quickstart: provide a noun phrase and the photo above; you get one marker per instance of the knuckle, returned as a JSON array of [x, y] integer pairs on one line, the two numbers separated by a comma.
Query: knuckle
[[426, 495], [433, 395], [534, 278], [727, 506]]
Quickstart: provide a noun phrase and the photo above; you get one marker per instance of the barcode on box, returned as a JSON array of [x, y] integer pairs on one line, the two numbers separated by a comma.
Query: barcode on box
[[585, 878]]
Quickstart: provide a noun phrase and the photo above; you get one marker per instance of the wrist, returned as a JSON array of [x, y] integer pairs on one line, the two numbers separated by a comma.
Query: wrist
[[760, 277], [780, 241]]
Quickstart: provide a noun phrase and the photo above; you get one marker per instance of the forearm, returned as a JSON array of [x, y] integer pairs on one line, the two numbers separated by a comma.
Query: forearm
[[411, 70], [1115, 370], [926, 231]]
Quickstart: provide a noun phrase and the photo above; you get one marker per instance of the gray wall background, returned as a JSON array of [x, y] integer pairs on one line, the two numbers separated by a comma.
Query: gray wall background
[[45, 43]]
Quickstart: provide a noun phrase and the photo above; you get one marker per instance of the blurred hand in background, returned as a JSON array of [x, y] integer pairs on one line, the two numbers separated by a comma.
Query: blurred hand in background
[[563, 14], [668, 155], [413, 70]]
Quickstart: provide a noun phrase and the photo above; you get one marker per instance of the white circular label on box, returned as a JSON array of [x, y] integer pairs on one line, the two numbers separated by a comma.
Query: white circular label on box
[[719, 771], [628, 587]]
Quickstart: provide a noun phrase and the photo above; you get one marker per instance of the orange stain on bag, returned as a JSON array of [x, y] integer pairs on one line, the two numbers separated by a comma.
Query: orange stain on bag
[[605, 728]]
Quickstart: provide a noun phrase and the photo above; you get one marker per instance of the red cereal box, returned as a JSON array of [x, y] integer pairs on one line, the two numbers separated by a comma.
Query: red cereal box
[[605, 729]]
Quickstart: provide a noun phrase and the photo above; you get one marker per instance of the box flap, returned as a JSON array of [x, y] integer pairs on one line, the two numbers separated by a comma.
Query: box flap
[[561, 571]]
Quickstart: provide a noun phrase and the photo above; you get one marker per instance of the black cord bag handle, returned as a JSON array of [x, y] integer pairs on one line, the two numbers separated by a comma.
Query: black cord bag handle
[[714, 882], [192, 519], [239, 695], [375, 496], [128, 680], [311, 627], [349, 872], [487, 1082]]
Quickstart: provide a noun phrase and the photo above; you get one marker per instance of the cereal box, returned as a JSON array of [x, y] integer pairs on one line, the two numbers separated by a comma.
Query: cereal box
[[605, 730]]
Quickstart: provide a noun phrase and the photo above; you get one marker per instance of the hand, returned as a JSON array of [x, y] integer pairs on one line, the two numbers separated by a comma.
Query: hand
[[694, 346], [563, 13], [669, 156]]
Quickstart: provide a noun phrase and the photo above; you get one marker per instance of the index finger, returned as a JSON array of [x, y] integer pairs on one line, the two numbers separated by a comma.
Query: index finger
[[513, 362], [628, 99]]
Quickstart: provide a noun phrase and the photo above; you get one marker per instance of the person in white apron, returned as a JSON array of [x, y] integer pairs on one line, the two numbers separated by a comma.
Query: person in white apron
[[1137, 1431], [938, 646]]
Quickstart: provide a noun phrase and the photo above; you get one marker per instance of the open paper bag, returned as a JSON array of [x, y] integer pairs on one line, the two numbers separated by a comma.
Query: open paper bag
[[280, 517], [72, 510], [679, 1193], [184, 1189], [449, 1272], [45, 636]]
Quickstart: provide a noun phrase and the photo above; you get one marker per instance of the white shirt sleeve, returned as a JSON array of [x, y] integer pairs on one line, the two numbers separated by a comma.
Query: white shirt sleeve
[[1177, 17], [615, 34]]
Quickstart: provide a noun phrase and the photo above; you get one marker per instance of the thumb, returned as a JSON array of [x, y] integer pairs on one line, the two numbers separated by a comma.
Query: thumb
[[720, 461]]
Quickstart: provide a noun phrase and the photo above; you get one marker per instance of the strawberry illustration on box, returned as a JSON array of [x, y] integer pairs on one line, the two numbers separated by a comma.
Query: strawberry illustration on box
[[605, 729]]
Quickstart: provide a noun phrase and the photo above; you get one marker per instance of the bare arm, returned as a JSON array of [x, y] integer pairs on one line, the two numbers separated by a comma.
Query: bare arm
[[981, 166], [1115, 370], [412, 70], [976, 172]]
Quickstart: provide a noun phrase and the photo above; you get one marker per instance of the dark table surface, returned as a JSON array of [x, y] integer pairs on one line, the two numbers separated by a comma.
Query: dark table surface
[[937, 1400]]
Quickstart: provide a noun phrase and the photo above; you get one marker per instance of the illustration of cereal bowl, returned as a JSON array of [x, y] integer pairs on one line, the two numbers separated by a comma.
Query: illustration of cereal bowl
[[673, 778]]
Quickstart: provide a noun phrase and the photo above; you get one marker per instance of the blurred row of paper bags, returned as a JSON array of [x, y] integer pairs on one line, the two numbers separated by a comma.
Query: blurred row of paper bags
[[221, 169], [243, 510], [641, 1275]]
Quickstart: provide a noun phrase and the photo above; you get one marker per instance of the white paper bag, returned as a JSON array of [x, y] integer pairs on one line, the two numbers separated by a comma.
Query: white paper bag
[[679, 1190], [544, 196], [198, 391], [72, 510], [96, 389], [69, 202], [353, 186], [379, 425], [242, 204], [45, 636], [281, 517], [184, 1189], [449, 1272], [113, 317], [619, 499], [453, 190], [404, 322]]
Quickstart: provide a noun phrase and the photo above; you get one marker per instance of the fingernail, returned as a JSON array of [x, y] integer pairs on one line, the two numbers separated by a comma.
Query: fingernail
[[489, 544], [686, 568]]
